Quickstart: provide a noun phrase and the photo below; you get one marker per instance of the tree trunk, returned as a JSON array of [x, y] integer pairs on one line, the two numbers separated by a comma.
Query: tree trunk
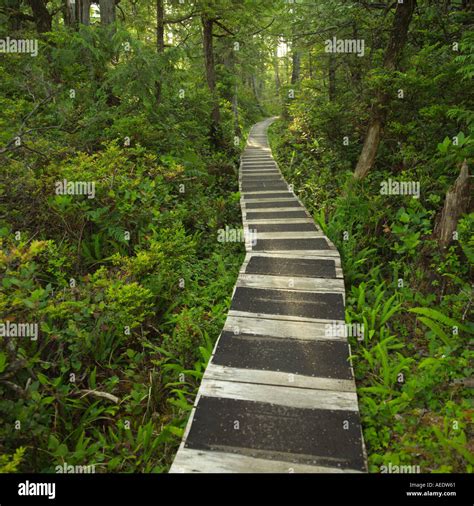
[[276, 71], [355, 66], [456, 204], [332, 77], [107, 11], [83, 9], [296, 67], [160, 42], [255, 92], [207, 27], [15, 16], [77, 13], [69, 13], [378, 114], [43, 19], [235, 110], [231, 91]]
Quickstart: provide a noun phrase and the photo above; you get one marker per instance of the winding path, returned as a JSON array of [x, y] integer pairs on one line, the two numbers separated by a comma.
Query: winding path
[[278, 394]]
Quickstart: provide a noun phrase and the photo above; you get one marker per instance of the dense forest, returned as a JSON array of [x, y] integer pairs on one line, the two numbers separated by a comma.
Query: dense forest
[[121, 128]]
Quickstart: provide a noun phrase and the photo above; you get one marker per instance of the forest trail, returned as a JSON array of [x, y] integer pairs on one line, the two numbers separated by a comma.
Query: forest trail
[[278, 394]]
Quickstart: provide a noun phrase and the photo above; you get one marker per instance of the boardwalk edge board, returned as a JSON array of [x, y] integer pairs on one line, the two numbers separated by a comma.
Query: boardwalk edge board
[[278, 394]]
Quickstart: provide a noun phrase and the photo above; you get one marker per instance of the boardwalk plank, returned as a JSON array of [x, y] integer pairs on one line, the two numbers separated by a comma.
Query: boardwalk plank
[[199, 461], [278, 394], [317, 435], [282, 395], [323, 285], [240, 322]]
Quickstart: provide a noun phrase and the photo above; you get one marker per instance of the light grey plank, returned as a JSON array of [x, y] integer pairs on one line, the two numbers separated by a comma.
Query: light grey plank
[[199, 461], [317, 252], [290, 235], [276, 199], [283, 396], [291, 254], [280, 318], [239, 322], [224, 373], [276, 209], [278, 220], [320, 285], [266, 192]]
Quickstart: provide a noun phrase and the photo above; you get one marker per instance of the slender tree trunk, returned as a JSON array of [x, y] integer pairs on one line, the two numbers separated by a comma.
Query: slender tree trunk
[[83, 11], [255, 88], [231, 91], [160, 42], [378, 114], [235, 110], [332, 77], [43, 18], [456, 204], [14, 15], [355, 67], [69, 10], [107, 11], [77, 12], [207, 27], [276, 71], [295, 67]]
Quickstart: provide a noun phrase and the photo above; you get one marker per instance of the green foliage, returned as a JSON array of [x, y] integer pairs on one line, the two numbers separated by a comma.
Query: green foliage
[[11, 463], [413, 358], [129, 288]]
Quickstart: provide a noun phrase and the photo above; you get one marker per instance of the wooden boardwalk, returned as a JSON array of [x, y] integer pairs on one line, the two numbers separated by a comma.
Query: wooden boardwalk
[[278, 394]]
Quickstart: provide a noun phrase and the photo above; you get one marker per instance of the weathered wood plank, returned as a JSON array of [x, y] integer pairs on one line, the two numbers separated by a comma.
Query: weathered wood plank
[[323, 285], [241, 322], [283, 317], [283, 396], [278, 368], [201, 461], [262, 377], [289, 235], [265, 221]]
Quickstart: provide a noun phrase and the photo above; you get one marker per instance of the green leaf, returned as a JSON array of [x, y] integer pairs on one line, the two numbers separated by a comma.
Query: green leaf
[[440, 317], [3, 362], [439, 332]]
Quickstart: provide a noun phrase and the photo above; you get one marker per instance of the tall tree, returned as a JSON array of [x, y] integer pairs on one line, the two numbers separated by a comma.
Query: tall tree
[[378, 114], [83, 10], [208, 48], [276, 69], [107, 11], [332, 77], [160, 42], [42, 17], [296, 66], [456, 204]]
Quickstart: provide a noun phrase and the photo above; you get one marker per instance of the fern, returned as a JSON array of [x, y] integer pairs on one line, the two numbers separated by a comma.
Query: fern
[[437, 316], [438, 331]]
